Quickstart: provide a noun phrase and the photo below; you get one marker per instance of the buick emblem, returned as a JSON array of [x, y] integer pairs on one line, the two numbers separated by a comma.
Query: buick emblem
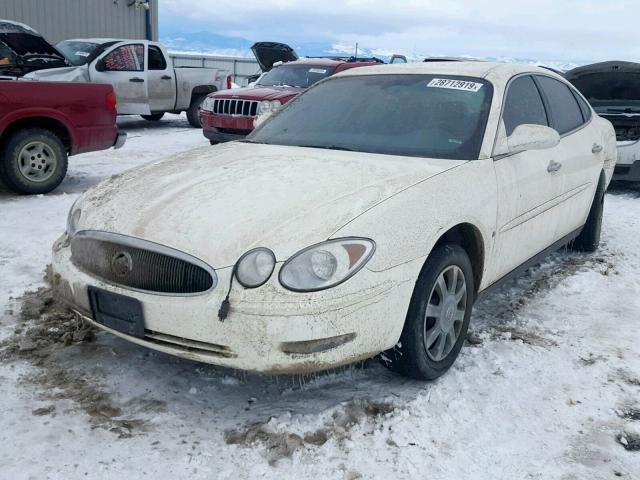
[[121, 264]]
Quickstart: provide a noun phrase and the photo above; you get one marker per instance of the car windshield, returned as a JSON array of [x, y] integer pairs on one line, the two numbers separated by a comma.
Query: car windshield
[[295, 75], [77, 53], [411, 115]]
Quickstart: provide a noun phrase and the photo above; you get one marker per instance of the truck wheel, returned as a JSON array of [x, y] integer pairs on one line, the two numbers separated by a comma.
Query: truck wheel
[[438, 316], [154, 117], [589, 238], [193, 114], [33, 161]]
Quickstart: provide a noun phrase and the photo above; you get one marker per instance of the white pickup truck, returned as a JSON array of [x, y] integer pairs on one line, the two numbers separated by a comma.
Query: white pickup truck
[[142, 74]]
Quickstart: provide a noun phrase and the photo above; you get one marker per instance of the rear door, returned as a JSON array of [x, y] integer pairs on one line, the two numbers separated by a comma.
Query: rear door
[[582, 156], [528, 189], [123, 66], [162, 81]]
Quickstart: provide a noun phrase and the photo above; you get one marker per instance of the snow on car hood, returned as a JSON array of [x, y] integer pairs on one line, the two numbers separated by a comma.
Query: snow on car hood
[[218, 202]]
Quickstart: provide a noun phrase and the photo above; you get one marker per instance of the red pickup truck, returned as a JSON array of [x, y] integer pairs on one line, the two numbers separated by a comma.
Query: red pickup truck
[[42, 123]]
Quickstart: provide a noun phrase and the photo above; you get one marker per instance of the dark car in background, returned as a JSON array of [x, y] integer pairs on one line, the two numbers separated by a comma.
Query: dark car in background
[[613, 89], [23, 50]]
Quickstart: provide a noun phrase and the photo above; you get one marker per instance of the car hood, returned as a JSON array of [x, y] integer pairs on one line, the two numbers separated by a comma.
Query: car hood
[[218, 202], [608, 84], [64, 74], [268, 53], [260, 93]]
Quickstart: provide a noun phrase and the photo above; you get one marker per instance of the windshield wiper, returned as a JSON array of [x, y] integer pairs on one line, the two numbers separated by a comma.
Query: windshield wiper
[[328, 147], [623, 110]]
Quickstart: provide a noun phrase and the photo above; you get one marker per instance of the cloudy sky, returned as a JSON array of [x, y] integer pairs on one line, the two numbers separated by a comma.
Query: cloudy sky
[[561, 30]]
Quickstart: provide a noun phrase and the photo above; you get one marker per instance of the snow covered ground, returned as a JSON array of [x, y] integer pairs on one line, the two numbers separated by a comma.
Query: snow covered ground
[[548, 387]]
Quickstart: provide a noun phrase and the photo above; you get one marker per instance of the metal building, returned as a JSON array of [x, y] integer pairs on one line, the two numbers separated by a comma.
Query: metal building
[[62, 19]]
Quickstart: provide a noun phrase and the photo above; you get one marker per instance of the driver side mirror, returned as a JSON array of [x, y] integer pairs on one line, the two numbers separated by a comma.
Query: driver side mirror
[[532, 137], [101, 65]]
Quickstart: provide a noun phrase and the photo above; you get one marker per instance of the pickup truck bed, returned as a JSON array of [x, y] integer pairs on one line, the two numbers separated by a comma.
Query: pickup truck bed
[[40, 127]]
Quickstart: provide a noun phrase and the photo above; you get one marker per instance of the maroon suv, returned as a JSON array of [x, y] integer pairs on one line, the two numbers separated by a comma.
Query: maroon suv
[[228, 114]]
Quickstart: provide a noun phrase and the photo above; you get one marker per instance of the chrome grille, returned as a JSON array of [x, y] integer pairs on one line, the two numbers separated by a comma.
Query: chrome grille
[[140, 265], [237, 107]]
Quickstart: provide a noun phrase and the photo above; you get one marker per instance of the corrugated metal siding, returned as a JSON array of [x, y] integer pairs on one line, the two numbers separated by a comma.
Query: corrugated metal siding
[[62, 19], [239, 67]]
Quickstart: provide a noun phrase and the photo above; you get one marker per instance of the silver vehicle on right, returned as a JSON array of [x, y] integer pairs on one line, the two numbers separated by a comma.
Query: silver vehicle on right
[[613, 89]]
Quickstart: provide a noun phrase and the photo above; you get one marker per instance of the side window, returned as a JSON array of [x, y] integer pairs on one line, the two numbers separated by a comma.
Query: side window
[[156, 59], [127, 58], [584, 107], [565, 111], [523, 105]]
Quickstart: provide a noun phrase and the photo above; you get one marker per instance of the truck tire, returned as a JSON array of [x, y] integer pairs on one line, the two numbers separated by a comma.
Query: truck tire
[[193, 114], [589, 238], [33, 161], [438, 316], [154, 117]]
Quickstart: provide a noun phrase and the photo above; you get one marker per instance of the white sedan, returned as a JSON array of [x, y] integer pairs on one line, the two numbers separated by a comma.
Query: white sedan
[[365, 217]]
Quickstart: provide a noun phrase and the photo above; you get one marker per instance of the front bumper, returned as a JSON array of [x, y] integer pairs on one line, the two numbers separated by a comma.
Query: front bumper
[[628, 165], [269, 329], [225, 128]]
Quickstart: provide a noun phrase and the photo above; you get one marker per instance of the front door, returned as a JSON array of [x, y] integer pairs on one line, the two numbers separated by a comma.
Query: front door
[[529, 184], [123, 67]]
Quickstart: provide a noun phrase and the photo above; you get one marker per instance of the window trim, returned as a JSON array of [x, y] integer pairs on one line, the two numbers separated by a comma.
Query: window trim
[[544, 102], [571, 90]]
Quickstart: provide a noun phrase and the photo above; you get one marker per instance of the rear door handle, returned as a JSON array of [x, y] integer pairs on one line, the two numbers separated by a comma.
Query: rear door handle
[[136, 80], [596, 148], [166, 77], [553, 166]]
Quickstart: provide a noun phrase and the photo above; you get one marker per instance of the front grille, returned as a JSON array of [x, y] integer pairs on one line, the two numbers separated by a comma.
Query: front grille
[[140, 265], [242, 108], [189, 345]]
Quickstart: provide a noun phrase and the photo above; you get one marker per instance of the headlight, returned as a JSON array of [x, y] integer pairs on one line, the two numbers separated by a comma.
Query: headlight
[[73, 219], [255, 267], [266, 106], [275, 105], [207, 104], [326, 264]]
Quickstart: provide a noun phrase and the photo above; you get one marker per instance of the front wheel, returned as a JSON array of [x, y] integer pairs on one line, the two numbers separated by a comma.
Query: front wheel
[[438, 316], [154, 117], [33, 161], [193, 114]]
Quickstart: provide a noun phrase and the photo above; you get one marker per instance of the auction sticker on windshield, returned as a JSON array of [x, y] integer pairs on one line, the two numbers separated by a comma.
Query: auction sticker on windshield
[[454, 84]]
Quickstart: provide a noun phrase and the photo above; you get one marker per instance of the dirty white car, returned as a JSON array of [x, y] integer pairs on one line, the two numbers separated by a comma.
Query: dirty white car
[[365, 217]]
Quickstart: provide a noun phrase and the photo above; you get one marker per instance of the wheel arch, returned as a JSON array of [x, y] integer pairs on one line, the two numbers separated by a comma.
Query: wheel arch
[[202, 90], [469, 237], [44, 122]]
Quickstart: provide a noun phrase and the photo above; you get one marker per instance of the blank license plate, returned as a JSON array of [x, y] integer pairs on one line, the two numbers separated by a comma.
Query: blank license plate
[[118, 312]]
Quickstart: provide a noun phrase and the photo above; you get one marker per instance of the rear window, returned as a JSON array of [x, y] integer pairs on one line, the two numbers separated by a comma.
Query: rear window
[[565, 111], [431, 116]]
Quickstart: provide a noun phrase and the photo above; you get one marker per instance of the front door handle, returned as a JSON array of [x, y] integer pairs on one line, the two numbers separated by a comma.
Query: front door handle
[[136, 80], [596, 148], [553, 166], [165, 77]]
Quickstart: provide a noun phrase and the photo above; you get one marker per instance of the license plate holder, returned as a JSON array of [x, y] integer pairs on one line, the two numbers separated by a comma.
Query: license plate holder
[[118, 312]]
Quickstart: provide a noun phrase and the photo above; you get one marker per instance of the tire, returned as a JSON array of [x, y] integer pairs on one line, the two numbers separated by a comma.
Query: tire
[[418, 355], [33, 161], [154, 117], [193, 114], [589, 238]]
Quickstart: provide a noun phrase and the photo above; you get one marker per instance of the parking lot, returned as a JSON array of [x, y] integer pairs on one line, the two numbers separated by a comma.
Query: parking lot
[[567, 330]]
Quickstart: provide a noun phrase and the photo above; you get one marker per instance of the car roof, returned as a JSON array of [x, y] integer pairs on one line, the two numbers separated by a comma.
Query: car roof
[[489, 70]]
